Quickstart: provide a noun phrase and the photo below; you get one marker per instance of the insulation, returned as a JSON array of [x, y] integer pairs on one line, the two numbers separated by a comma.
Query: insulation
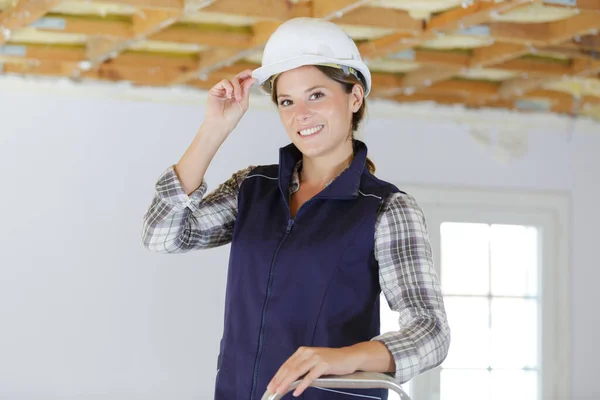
[[421, 9], [458, 42], [576, 87], [93, 8], [487, 74], [436, 41], [537, 13], [34, 36]]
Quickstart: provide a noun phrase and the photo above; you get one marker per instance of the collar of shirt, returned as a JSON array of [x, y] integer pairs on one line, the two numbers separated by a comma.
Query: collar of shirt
[[295, 181]]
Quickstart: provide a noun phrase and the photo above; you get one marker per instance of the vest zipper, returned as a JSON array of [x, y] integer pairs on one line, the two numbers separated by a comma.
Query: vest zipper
[[261, 336]]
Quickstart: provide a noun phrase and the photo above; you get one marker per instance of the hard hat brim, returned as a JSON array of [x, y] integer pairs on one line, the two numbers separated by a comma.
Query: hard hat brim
[[263, 74]]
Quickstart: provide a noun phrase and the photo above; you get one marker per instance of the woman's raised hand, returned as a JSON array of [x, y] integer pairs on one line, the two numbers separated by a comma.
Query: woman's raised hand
[[228, 101]]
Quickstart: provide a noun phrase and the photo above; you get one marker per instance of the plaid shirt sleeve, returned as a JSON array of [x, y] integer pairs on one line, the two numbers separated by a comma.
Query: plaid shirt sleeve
[[177, 223], [411, 286]]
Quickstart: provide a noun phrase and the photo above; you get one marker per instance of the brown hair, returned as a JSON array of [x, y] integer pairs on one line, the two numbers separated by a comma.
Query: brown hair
[[347, 81]]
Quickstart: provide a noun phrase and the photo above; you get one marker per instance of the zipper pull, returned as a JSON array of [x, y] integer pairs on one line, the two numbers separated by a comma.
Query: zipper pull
[[289, 226]]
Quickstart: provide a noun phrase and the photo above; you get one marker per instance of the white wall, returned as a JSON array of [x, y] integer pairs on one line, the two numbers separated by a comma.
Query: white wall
[[85, 311]]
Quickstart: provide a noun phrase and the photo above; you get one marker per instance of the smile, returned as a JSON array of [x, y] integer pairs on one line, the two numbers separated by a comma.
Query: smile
[[311, 131]]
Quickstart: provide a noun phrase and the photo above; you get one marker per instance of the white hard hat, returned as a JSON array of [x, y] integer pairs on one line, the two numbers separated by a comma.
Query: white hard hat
[[309, 41]]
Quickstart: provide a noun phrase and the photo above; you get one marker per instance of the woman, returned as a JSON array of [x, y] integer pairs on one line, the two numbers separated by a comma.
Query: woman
[[314, 239]]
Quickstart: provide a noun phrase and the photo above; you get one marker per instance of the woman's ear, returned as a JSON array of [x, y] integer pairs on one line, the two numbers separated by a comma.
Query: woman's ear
[[356, 97]]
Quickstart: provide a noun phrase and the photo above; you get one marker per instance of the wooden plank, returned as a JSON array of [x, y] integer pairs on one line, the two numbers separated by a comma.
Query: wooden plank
[[48, 68], [154, 4], [585, 67], [378, 17], [560, 51], [479, 12], [267, 9], [476, 13], [549, 33], [209, 60], [87, 26], [586, 22], [522, 33], [153, 76], [54, 53], [217, 58], [335, 9], [591, 5], [496, 53], [145, 23], [42, 53], [441, 58], [519, 86], [139, 75], [102, 48], [464, 88], [392, 43], [189, 35], [535, 68], [22, 14], [428, 75], [590, 42]]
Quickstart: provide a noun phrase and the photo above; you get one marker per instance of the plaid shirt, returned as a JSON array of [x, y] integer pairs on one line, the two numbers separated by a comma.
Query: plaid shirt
[[176, 222]]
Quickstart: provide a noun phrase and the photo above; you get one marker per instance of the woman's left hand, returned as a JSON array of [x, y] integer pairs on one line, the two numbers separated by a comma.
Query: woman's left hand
[[313, 362]]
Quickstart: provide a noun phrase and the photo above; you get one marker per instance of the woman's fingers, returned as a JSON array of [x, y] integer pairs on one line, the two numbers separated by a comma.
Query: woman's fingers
[[293, 374], [237, 89], [223, 89], [283, 371], [314, 374]]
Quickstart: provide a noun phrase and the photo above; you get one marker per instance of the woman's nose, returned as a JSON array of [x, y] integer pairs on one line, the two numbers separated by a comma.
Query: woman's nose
[[302, 111]]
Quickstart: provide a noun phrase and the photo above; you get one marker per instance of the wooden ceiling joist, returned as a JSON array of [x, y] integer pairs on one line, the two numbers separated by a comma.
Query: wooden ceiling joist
[[145, 23], [518, 54], [261, 33], [476, 13], [21, 15]]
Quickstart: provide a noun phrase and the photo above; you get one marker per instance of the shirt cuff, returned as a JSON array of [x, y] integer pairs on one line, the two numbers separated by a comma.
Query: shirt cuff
[[405, 355], [169, 189]]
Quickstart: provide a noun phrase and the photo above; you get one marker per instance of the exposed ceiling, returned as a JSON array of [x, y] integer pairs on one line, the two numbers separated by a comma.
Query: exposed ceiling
[[528, 55]]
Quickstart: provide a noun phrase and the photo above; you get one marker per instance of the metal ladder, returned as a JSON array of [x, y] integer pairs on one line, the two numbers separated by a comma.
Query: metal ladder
[[358, 380]]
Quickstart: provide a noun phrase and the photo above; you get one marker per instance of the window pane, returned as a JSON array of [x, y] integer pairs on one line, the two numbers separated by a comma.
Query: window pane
[[514, 385], [514, 260], [465, 385], [468, 318], [514, 333], [465, 258]]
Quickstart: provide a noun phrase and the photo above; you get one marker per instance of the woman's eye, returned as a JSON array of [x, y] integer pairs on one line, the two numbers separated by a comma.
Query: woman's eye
[[284, 103], [317, 95]]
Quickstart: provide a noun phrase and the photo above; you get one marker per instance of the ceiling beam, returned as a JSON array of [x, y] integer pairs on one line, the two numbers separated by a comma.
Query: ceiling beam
[[145, 23], [22, 14], [264, 9], [479, 12], [548, 33], [496, 53], [335, 9], [217, 58], [378, 17], [169, 5]]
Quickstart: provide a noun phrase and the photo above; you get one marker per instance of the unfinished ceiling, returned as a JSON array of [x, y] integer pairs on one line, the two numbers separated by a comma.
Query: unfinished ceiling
[[528, 55]]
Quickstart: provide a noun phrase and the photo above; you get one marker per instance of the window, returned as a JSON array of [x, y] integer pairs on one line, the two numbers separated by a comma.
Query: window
[[502, 263]]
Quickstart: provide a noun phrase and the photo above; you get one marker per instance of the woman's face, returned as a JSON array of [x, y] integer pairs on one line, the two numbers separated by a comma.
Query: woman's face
[[315, 110]]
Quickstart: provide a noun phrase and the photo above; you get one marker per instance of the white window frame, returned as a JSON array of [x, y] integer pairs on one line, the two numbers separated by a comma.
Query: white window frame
[[549, 212]]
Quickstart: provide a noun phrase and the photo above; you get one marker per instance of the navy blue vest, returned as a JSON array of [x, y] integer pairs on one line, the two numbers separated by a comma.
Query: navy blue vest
[[307, 281]]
